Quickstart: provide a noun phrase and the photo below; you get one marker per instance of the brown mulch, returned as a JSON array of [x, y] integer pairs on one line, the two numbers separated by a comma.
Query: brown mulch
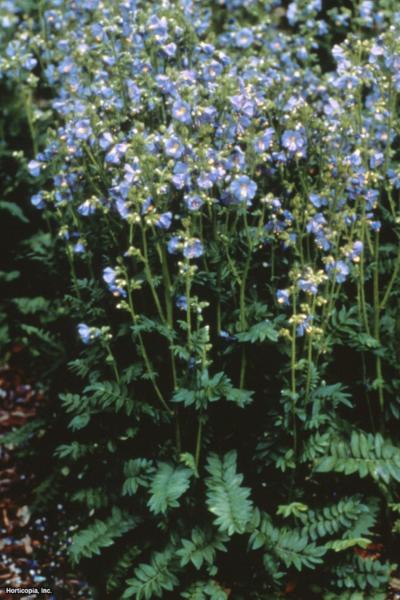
[[30, 553]]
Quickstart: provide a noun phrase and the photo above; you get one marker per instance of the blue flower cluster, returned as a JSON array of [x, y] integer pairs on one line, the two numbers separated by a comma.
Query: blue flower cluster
[[175, 134]]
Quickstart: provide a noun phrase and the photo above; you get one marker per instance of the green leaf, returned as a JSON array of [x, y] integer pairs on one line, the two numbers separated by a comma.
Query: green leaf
[[14, 210], [202, 547], [365, 455], [226, 498], [260, 332], [167, 486], [150, 580], [101, 534]]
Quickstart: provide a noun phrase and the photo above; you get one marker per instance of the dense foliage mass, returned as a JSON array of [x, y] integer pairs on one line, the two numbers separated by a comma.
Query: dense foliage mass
[[218, 319]]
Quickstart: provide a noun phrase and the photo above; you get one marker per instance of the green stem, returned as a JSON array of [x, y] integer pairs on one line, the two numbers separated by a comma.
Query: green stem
[[71, 262], [198, 441], [377, 321], [112, 361], [293, 376], [144, 354], [243, 319], [391, 282], [149, 276], [309, 354], [27, 94]]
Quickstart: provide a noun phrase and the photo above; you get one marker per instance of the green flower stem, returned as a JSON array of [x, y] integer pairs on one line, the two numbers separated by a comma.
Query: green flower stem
[[242, 301], [361, 282], [188, 285], [392, 110], [28, 104], [112, 361], [367, 394], [293, 376], [70, 257], [149, 276], [243, 318], [143, 351], [98, 167], [391, 282], [169, 306], [198, 440], [377, 322], [309, 352], [170, 322]]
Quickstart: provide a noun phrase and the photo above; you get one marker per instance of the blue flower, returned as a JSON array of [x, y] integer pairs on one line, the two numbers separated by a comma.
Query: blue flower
[[304, 326], [174, 244], [146, 205], [87, 208], [116, 153], [181, 303], [164, 221], [293, 141], [212, 70], [165, 84], [376, 160], [79, 248], [244, 38], [282, 296], [134, 91], [174, 147], [355, 251], [317, 201], [340, 269], [83, 129], [193, 248], [227, 336], [205, 181], [181, 175], [206, 115], [84, 332], [109, 276], [264, 141], [158, 28], [310, 287], [181, 111], [169, 49], [122, 208], [193, 202], [106, 140], [34, 167], [243, 189], [37, 201], [30, 63]]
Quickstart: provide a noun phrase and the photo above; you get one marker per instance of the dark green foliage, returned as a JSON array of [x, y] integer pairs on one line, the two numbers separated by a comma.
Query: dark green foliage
[[101, 534], [227, 499], [205, 439]]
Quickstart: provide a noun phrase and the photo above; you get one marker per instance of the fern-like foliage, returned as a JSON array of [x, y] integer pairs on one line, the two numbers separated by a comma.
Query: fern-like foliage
[[151, 580], [121, 569], [109, 394], [137, 472], [227, 499], [205, 590], [167, 486], [23, 434], [93, 498], [100, 534], [366, 454], [363, 574], [350, 515], [201, 547], [292, 547]]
